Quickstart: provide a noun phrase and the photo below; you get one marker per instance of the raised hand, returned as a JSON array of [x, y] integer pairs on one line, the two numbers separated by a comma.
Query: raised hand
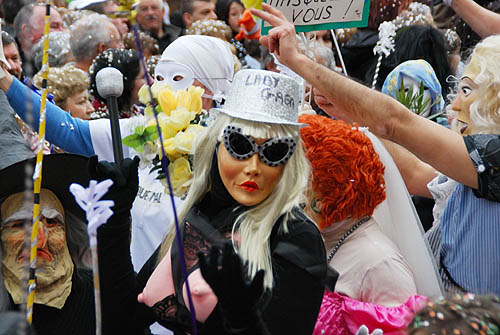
[[281, 40]]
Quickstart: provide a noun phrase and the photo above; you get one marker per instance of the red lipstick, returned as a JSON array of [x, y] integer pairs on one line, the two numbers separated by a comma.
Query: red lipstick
[[250, 186]]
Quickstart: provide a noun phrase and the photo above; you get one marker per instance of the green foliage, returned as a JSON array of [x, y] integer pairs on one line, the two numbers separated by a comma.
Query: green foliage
[[415, 101], [140, 137]]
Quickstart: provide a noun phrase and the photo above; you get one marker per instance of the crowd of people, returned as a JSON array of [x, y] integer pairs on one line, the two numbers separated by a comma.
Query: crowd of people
[[285, 184]]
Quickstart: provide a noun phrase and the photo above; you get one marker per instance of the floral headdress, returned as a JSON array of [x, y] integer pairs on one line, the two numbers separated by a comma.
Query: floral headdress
[[181, 119]]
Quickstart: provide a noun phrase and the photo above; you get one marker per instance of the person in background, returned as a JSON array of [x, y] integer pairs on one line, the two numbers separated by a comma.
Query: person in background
[[9, 11], [11, 52], [59, 50], [128, 63], [150, 19], [109, 8], [230, 11], [69, 86], [194, 10], [149, 45], [29, 26], [419, 42], [90, 36]]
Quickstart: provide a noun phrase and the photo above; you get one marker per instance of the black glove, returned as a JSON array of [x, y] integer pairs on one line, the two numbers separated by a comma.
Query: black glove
[[125, 182], [238, 299]]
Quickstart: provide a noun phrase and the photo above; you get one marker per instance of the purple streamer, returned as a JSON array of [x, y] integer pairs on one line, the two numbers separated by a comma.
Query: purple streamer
[[167, 175]]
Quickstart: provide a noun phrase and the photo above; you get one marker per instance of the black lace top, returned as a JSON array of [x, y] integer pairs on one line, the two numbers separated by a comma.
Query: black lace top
[[299, 270]]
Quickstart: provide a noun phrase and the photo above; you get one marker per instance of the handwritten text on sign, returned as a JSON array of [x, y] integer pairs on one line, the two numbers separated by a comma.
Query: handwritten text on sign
[[310, 15]]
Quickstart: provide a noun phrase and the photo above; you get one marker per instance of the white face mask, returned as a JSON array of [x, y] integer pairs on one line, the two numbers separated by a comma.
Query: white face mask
[[415, 86], [177, 75]]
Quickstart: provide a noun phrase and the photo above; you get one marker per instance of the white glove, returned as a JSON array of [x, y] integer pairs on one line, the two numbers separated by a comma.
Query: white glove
[[363, 330]]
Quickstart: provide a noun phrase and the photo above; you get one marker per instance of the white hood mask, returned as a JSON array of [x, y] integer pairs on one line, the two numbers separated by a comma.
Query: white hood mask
[[206, 59]]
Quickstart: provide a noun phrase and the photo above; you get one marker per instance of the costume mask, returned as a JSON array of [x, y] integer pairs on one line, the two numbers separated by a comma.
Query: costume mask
[[177, 75], [54, 264], [411, 73], [249, 181], [274, 152]]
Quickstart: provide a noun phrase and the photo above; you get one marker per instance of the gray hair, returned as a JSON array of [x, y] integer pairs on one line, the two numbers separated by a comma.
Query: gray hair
[[319, 53], [59, 49], [87, 33], [23, 17]]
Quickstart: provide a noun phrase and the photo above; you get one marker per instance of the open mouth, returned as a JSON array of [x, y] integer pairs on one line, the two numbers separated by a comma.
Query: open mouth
[[463, 127], [250, 186]]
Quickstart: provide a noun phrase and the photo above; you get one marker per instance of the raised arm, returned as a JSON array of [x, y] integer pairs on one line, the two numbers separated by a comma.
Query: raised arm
[[68, 133], [483, 21], [387, 118]]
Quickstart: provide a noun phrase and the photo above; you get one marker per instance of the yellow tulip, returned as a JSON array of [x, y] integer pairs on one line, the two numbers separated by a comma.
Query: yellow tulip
[[159, 86], [183, 117], [180, 175], [183, 142], [144, 95], [195, 129], [190, 99], [167, 101]]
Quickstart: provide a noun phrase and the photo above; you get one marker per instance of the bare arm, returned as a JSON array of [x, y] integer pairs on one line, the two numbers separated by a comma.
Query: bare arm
[[483, 21], [416, 174], [387, 118]]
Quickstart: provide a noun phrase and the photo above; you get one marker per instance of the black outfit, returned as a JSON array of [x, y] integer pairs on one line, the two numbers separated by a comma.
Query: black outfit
[[170, 34], [299, 271], [358, 55], [77, 317]]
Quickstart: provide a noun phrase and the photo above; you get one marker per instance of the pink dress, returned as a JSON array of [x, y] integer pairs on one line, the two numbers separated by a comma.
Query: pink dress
[[341, 315]]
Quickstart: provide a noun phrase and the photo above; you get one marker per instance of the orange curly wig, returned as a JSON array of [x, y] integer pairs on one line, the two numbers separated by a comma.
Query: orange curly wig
[[347, 173]]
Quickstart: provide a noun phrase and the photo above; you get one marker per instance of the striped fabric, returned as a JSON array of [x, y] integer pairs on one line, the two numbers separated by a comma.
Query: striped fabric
[[470, 241], [434, 238]]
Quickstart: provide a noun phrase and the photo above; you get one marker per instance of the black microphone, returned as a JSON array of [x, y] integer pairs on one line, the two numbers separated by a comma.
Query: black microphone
[[109, 82]]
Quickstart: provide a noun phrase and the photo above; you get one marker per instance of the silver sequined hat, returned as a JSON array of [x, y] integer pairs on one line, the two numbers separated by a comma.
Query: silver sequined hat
[[263, 96]]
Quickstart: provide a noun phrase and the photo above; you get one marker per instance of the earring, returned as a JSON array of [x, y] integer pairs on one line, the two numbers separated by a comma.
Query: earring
[[314, 205]]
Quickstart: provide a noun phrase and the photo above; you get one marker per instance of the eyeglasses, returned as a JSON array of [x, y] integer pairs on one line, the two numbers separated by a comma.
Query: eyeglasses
[[273, 152]]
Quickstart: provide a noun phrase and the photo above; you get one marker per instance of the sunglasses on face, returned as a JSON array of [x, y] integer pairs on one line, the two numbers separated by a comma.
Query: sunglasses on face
[[273, 152]]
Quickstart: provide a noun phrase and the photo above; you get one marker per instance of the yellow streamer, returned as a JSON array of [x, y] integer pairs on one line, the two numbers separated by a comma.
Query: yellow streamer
[[38, 170]]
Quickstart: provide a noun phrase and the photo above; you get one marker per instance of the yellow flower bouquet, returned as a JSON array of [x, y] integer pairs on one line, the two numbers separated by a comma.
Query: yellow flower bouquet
[[181, 119]]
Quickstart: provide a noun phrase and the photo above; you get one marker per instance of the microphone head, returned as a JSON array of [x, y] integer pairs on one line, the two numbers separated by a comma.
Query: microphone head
[[109, 82]]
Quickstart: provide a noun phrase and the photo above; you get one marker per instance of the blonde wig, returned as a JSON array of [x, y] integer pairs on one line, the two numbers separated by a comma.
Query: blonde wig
[[253, 226], [484, 112]]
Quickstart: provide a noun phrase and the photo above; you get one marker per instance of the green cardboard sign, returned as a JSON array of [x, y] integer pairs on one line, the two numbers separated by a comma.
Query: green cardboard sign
[[314, 15]]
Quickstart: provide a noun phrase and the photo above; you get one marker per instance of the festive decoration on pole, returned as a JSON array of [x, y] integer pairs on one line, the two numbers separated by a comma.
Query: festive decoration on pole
[[384, 46], [98, 212], [37, 176]]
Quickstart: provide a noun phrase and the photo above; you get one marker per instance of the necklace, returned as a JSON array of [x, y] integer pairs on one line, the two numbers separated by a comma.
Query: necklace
[[346, 235]]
